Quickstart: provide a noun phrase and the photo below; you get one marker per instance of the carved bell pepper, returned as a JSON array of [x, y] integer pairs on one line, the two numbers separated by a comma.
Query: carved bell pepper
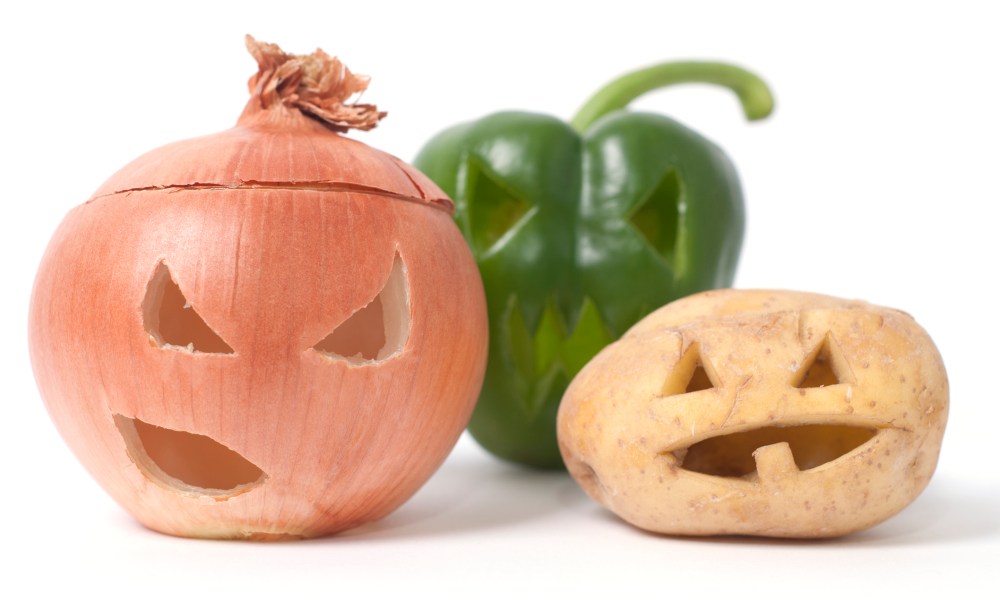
[[580, 230]]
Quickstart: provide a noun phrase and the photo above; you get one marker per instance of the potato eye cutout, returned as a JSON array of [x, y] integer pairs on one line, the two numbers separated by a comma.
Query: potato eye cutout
[[172, 323], [821, 368], [692, 374], [377, 331]]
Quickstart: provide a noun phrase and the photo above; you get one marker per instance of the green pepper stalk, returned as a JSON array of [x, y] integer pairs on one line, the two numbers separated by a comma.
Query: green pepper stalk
[[582, 229]]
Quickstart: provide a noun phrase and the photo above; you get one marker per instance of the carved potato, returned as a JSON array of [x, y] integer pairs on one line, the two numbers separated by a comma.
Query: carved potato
[[758, 413]]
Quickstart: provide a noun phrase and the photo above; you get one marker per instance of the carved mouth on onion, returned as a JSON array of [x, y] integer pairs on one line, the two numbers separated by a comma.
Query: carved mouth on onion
[[188, 463], [747, 454]]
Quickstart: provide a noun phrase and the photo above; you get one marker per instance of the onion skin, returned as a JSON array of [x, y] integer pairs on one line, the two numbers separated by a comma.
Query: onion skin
[[276, 231]]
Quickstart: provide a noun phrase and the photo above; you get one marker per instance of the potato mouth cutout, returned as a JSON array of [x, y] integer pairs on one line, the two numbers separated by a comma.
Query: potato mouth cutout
[[737, 455], [189, 463]]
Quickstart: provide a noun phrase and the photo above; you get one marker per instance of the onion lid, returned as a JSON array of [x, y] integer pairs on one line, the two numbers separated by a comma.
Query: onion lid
[[288, 137]]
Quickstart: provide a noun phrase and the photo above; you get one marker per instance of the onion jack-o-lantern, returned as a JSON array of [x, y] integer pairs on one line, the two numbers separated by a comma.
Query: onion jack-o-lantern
[[760, 413], [270, 332]]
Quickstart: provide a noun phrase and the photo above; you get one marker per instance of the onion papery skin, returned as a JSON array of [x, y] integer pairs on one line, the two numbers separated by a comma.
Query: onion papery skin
[[276, 232]]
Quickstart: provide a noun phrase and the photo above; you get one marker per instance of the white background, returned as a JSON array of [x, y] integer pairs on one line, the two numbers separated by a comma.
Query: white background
[[876, 178]]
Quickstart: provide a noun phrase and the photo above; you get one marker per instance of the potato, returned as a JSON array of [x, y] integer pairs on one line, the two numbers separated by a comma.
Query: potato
[[767, 413]]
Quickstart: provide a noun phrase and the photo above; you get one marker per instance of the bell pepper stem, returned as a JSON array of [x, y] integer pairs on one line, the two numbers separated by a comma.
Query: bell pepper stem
[[751, 90]]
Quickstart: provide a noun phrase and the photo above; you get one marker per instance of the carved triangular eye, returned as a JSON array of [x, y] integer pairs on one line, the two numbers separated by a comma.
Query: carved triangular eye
[[376, 331], [699, 380], [818, 370], [170, 320], [692, 374], [493, 208], [657, 216]]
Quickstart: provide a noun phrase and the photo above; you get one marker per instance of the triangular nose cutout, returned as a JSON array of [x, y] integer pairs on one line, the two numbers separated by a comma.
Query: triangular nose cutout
[[818, 369], [692, 374], [170, 320], [376, 331]]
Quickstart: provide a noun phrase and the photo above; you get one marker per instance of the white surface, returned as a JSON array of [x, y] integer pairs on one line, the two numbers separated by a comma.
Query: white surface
[[875, 178]]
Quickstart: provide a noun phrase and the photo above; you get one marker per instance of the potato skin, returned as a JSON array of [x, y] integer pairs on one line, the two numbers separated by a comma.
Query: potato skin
[[624, 424]]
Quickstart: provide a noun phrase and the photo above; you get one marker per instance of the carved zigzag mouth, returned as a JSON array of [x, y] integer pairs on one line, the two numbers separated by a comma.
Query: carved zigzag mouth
[[739, 454], [188, 463]]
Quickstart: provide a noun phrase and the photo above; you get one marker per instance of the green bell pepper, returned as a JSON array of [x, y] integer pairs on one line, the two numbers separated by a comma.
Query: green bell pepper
[[580, 230]]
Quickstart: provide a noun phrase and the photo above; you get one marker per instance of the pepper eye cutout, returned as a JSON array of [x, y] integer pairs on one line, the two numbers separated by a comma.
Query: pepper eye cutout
[[822, 367], [493, 208], [379, 330], [692, 374], [658, 216], [172, 323]]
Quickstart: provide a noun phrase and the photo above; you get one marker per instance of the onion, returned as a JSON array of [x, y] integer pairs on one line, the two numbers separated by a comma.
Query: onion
[[269, 332]]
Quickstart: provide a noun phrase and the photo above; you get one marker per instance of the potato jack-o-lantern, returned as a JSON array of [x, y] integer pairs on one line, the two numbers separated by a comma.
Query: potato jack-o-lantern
[[758, 413], [270, 332]]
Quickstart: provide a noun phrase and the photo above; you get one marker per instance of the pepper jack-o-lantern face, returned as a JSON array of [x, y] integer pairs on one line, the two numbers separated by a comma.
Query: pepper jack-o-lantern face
[[760, 413], [270, 332]]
